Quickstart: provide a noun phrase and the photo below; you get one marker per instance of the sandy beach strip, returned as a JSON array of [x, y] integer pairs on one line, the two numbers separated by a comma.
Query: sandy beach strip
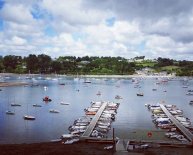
[[9, 84]]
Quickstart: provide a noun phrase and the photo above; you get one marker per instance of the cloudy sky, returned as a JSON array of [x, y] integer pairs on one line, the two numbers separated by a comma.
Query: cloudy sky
[[127, 28]]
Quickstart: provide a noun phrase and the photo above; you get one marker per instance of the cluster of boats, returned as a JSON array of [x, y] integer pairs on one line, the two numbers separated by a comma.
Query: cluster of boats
[[103, 124], [162, 121], [107, 117], [29, 117]]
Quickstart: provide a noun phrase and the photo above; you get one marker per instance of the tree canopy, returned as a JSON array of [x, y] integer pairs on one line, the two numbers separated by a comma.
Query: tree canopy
[[44, 64]]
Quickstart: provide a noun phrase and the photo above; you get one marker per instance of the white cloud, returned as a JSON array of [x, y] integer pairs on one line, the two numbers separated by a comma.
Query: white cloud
[[153, 29], [18, 41], [16, 13], [72, 12]]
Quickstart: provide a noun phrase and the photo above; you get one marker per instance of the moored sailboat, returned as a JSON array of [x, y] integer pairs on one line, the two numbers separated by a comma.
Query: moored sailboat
[[28, 117], [9, 112]]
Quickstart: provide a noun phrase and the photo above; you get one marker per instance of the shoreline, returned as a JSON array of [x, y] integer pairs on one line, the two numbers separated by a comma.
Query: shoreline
[[83, 148], [96, 76], [9, 84]]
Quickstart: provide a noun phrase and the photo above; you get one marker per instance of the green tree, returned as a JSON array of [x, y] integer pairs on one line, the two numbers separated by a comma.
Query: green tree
[[10, 62], [56, 66], [32, 63], [44, 63]]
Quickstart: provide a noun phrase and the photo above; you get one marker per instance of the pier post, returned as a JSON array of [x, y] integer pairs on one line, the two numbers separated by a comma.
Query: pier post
[[114, 147]]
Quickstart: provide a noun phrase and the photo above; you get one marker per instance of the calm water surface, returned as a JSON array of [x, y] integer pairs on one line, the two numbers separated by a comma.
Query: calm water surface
[[132, 114]]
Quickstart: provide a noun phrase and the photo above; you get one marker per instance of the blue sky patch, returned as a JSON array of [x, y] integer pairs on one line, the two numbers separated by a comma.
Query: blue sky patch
[[49, 31], [2, 4], [141, 46], [78, 36], [1, 25], [39, 13], [110, 21]]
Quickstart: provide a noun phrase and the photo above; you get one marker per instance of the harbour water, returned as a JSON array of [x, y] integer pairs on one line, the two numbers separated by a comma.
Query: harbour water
[[131, 116]]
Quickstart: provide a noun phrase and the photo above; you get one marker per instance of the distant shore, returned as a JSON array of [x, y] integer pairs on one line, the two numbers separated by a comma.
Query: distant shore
[[93, 76], [126, 76]]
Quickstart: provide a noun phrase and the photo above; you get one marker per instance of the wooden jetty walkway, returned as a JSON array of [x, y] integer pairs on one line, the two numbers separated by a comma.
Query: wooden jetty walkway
[[185, 131], [122, 144], [94, 121]]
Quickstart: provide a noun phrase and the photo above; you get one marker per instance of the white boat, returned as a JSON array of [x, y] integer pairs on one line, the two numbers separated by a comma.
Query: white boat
[[69, 136], [182, 119], [8, 112], [81, 124], [184, 86], [28, 117], [113, 104], [109, 112], [45, 88], [108, 147], [189, 94], [37, 105], [103, 124], [162, 120], [106, 115], [99, 93], [91, 109], [95, 106], [191, 102], [185, 123], [56, 140], [118, 97], [140, 94], [179, 137], [75, 132], [176, 112], [168, 134], [64, 103], [54, 111], [71, 141], [15, 104], [82, 121], [78, 127]]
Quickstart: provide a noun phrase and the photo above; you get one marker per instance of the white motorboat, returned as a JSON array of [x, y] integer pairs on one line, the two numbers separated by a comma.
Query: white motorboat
[[37, 105], [168, 134], [9, 112], [15, 104], [69, 136], [71, 141], [64, 103], [77, 131], [77, 127], [28, 117], [81, 124], [54, 111], [118, 97], [140, 94]]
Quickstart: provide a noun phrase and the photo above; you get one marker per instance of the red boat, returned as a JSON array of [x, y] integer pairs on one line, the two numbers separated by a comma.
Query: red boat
[[47, 99]]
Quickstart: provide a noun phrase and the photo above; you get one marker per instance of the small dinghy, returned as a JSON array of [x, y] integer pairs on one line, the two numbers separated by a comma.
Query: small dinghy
[[54, 111]]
